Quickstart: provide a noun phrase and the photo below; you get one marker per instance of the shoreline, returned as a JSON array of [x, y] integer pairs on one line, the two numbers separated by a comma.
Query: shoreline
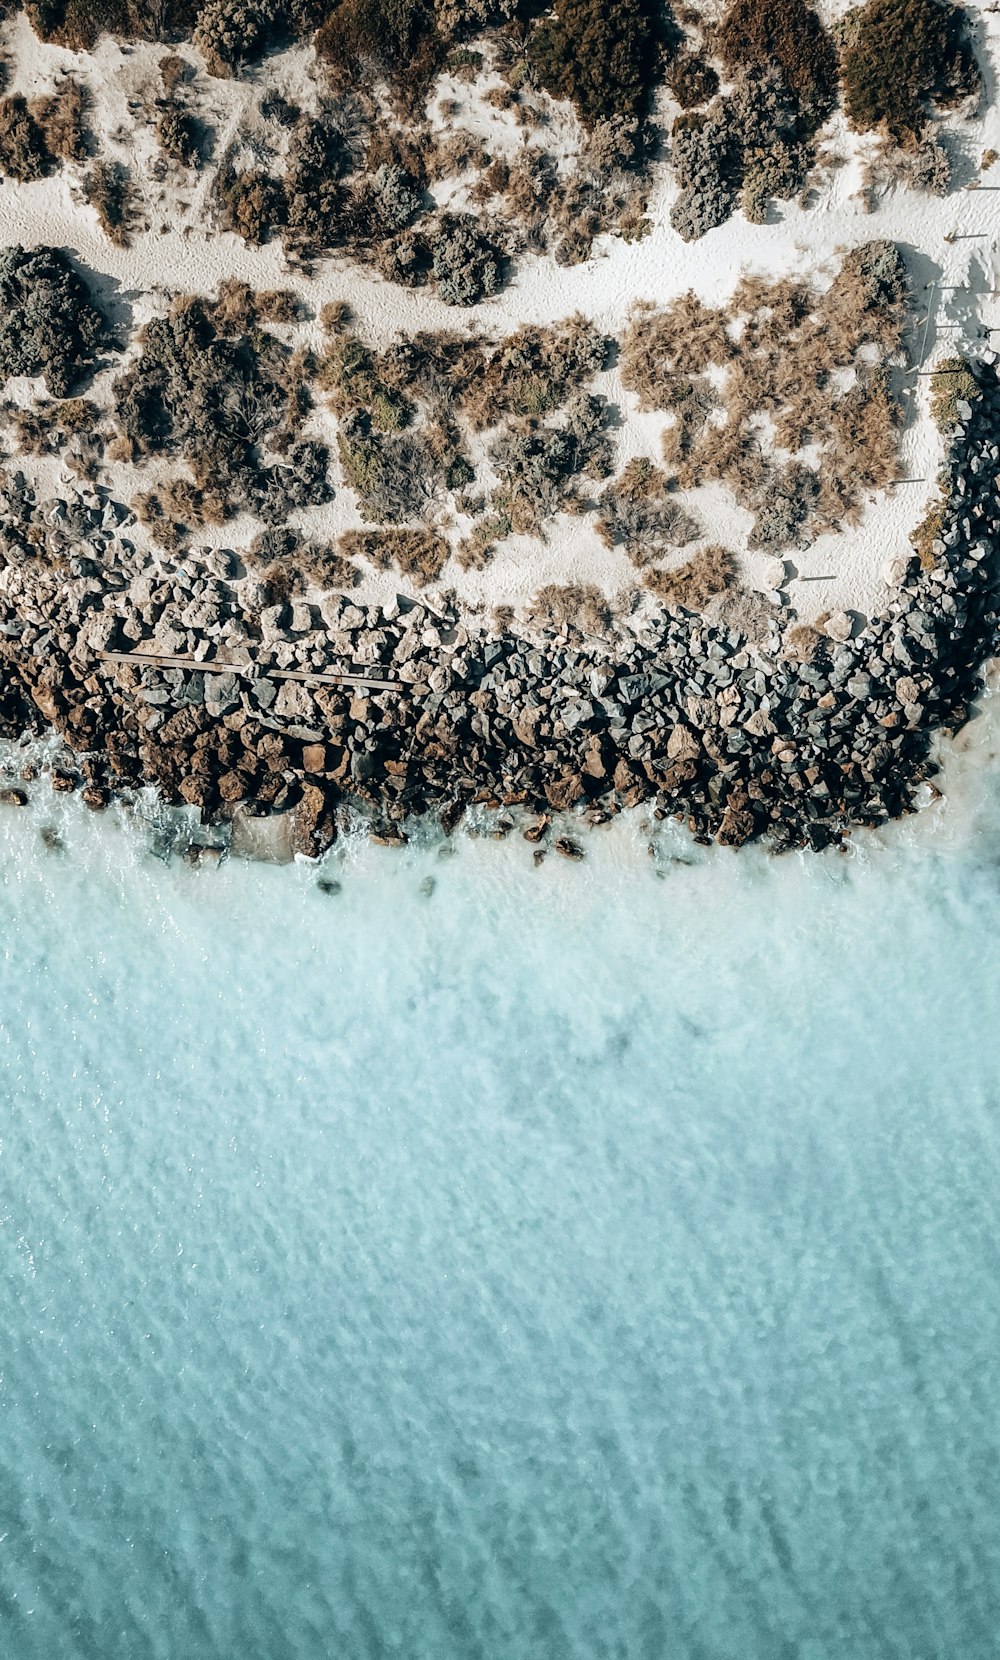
[[708, 721]]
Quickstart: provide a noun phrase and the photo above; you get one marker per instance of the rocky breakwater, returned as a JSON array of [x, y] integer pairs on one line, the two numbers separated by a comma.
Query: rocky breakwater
[[794, 735]]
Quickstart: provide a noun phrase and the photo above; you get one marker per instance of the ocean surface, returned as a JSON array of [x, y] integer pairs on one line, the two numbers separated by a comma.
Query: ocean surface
[[589, 1261]]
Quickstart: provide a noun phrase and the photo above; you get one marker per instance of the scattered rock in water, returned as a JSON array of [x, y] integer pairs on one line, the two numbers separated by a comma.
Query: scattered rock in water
[[427, 886], [51, 839], [329, 885], [11, 796], [568, 848]]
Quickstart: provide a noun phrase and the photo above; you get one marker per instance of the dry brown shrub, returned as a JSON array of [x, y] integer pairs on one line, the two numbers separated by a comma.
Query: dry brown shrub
[[531, 371], [865, 424], [418, 554], [60, 119], [579, 605], [173, 70], [659, 346], [48, 426], [173, 509], [108, 189], [927, 533], [311, 565], [693, 584], [24, 154], [803, 642], [239, 307]]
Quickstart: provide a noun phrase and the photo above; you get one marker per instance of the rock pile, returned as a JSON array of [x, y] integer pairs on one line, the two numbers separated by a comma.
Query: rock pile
[[739, 737]]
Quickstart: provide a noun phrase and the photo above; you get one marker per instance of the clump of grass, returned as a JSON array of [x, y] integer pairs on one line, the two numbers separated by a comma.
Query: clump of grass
[[690, 586], [637, 513], [531, 371], [927, 533], [60, 120], [108, 189], [172, 510], [578, 605], [663, 347], [419, 554], [49, 426], [953, 382], [240, 308]]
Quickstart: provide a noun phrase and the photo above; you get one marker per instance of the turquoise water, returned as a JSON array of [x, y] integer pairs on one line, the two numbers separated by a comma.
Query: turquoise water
[[589, 1261]]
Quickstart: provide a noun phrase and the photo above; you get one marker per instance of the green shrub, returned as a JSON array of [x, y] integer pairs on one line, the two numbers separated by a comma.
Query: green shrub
[[49, 324], [603, 56], [787, 33], [899, 58], [396, 39], [692, 80]]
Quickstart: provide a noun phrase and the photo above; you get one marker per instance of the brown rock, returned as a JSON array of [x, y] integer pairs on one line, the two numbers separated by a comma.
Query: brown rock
[[196, 789], [95, 798], [737, 821], [562, 793], [65, 782], [682, 745], [314, 758], [10, 796], [232, 787], [568, 848], [536, 831]]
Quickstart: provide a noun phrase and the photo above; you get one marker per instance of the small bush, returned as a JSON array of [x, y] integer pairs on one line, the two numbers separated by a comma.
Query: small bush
[[49, 324], [178, 134], [954, 381], [418, 554], [693, 584], [465, 265], [78, 24], [638, 513], [692, 80], [319, 158], [901, 57], [59, 117], [789, 35], [108, 189], [577, 605], [251, 203], [24, 154], [603, 56], [229, 33], [532, 371], [174, 509], [395, 39], [392, 474]]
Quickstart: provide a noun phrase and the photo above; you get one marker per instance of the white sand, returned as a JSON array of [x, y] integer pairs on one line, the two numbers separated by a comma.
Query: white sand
[[181, 252]]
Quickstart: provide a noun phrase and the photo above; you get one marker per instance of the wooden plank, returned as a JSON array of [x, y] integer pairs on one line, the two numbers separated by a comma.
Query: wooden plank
[[138, 659]]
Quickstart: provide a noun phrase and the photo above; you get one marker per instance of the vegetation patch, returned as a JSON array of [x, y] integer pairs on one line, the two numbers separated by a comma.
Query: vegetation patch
[[788, 35], [419, 554], [709, 572], [49, 322], [784, 370], [900, 59], [605, 57], [953, 382]]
